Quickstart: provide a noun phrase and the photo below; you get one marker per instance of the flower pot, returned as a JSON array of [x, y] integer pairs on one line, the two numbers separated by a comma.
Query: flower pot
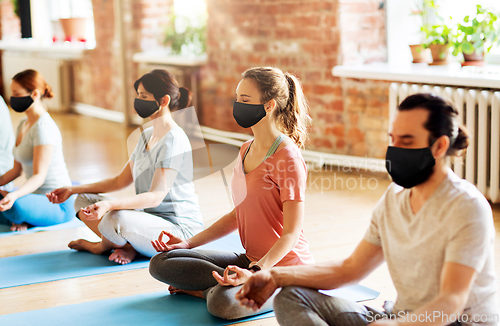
[[74, 28], [419, 53], [439, 53], [474, 59]]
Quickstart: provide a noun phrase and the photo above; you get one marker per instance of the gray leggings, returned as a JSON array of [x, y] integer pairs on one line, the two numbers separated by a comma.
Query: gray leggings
[[304, 306], [191, 270]]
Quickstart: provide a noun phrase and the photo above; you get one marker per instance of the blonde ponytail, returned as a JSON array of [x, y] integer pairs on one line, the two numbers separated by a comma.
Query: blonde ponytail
[[295, 117], [292, 110]]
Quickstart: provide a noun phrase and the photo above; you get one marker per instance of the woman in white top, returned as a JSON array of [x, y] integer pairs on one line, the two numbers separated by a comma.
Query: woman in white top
[[7, 141], [37, 152], [161, 169]]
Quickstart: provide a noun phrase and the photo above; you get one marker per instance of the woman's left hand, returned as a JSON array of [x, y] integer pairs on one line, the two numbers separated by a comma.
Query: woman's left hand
[[7, 201], [96, 211], [239, 276]]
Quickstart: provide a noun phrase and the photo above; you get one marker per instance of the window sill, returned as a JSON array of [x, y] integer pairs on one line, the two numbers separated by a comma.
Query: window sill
[[63, 50], [170, 60], [452, 75]]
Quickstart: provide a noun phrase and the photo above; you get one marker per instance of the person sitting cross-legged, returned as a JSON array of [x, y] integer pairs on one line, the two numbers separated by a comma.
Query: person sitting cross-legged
[[434, 230]]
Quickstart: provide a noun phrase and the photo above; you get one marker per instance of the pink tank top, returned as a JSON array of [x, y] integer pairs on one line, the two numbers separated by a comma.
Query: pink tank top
[[259, 196]]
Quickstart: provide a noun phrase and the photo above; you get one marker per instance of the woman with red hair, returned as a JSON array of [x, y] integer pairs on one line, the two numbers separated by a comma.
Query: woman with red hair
[[37, 152]]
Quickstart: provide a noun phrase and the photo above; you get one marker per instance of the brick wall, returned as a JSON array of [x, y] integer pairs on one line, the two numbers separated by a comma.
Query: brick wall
[[301, 37], [97, 75], [151, 19], [10, 25], [366, 102], [363, 31], [366, 117], [307, 38]]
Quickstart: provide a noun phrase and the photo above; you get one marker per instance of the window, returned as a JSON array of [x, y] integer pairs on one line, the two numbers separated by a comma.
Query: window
[[403, 29], [186, 33], [193, 10], [52, 19]]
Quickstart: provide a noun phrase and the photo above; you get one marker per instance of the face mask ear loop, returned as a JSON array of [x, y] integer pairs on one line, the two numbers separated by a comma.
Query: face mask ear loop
[[432, 144]]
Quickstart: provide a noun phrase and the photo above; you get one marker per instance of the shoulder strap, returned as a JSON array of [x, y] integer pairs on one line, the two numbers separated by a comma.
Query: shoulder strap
[[274, 146], [246, 151], [277, 142]]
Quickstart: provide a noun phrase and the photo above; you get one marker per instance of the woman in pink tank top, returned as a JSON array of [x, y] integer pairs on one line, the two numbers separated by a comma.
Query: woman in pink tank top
[[268, 190]]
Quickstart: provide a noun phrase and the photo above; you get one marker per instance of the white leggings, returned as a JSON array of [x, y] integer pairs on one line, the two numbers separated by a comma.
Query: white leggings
[[135, 227]]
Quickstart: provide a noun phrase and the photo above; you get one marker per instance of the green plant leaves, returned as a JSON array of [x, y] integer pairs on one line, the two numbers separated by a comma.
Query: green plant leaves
[[17, 9], [184, 38], [467, 47], [479, 34], [437, 34]]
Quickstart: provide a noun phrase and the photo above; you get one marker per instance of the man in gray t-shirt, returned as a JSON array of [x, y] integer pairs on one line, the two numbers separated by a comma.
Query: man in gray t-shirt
[[455, 225], [6, 142], [434, 230]]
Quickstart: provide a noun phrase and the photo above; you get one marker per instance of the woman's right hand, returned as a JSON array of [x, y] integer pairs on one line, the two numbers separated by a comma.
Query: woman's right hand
[[59, 195], [173, 242]]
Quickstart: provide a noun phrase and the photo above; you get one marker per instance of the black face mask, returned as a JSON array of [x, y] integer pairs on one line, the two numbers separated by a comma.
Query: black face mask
[[21, 104], [409, 167], [145, 108], [247, 115]]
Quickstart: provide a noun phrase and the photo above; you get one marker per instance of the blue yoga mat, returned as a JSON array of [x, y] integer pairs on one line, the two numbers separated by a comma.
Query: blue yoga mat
[[74, 223], [152, 309], [64, 264]]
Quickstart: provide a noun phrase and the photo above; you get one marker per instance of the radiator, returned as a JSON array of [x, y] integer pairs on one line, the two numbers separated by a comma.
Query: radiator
[[55, 71], [479, 112]]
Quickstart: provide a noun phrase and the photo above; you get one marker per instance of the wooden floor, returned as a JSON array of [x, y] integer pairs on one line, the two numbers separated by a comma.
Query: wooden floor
[[336, 219]]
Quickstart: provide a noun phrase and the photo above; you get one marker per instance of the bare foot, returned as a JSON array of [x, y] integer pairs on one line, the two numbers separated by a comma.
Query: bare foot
[[123, 255], [19, 227], [174, 290], [84, 245]]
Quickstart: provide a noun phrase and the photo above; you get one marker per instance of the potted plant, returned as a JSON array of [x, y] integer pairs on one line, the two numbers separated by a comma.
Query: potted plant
[[424, 10], [477, 36], [74, 27], [184, 37], [17, 9], [419, 53], [439, 38]]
